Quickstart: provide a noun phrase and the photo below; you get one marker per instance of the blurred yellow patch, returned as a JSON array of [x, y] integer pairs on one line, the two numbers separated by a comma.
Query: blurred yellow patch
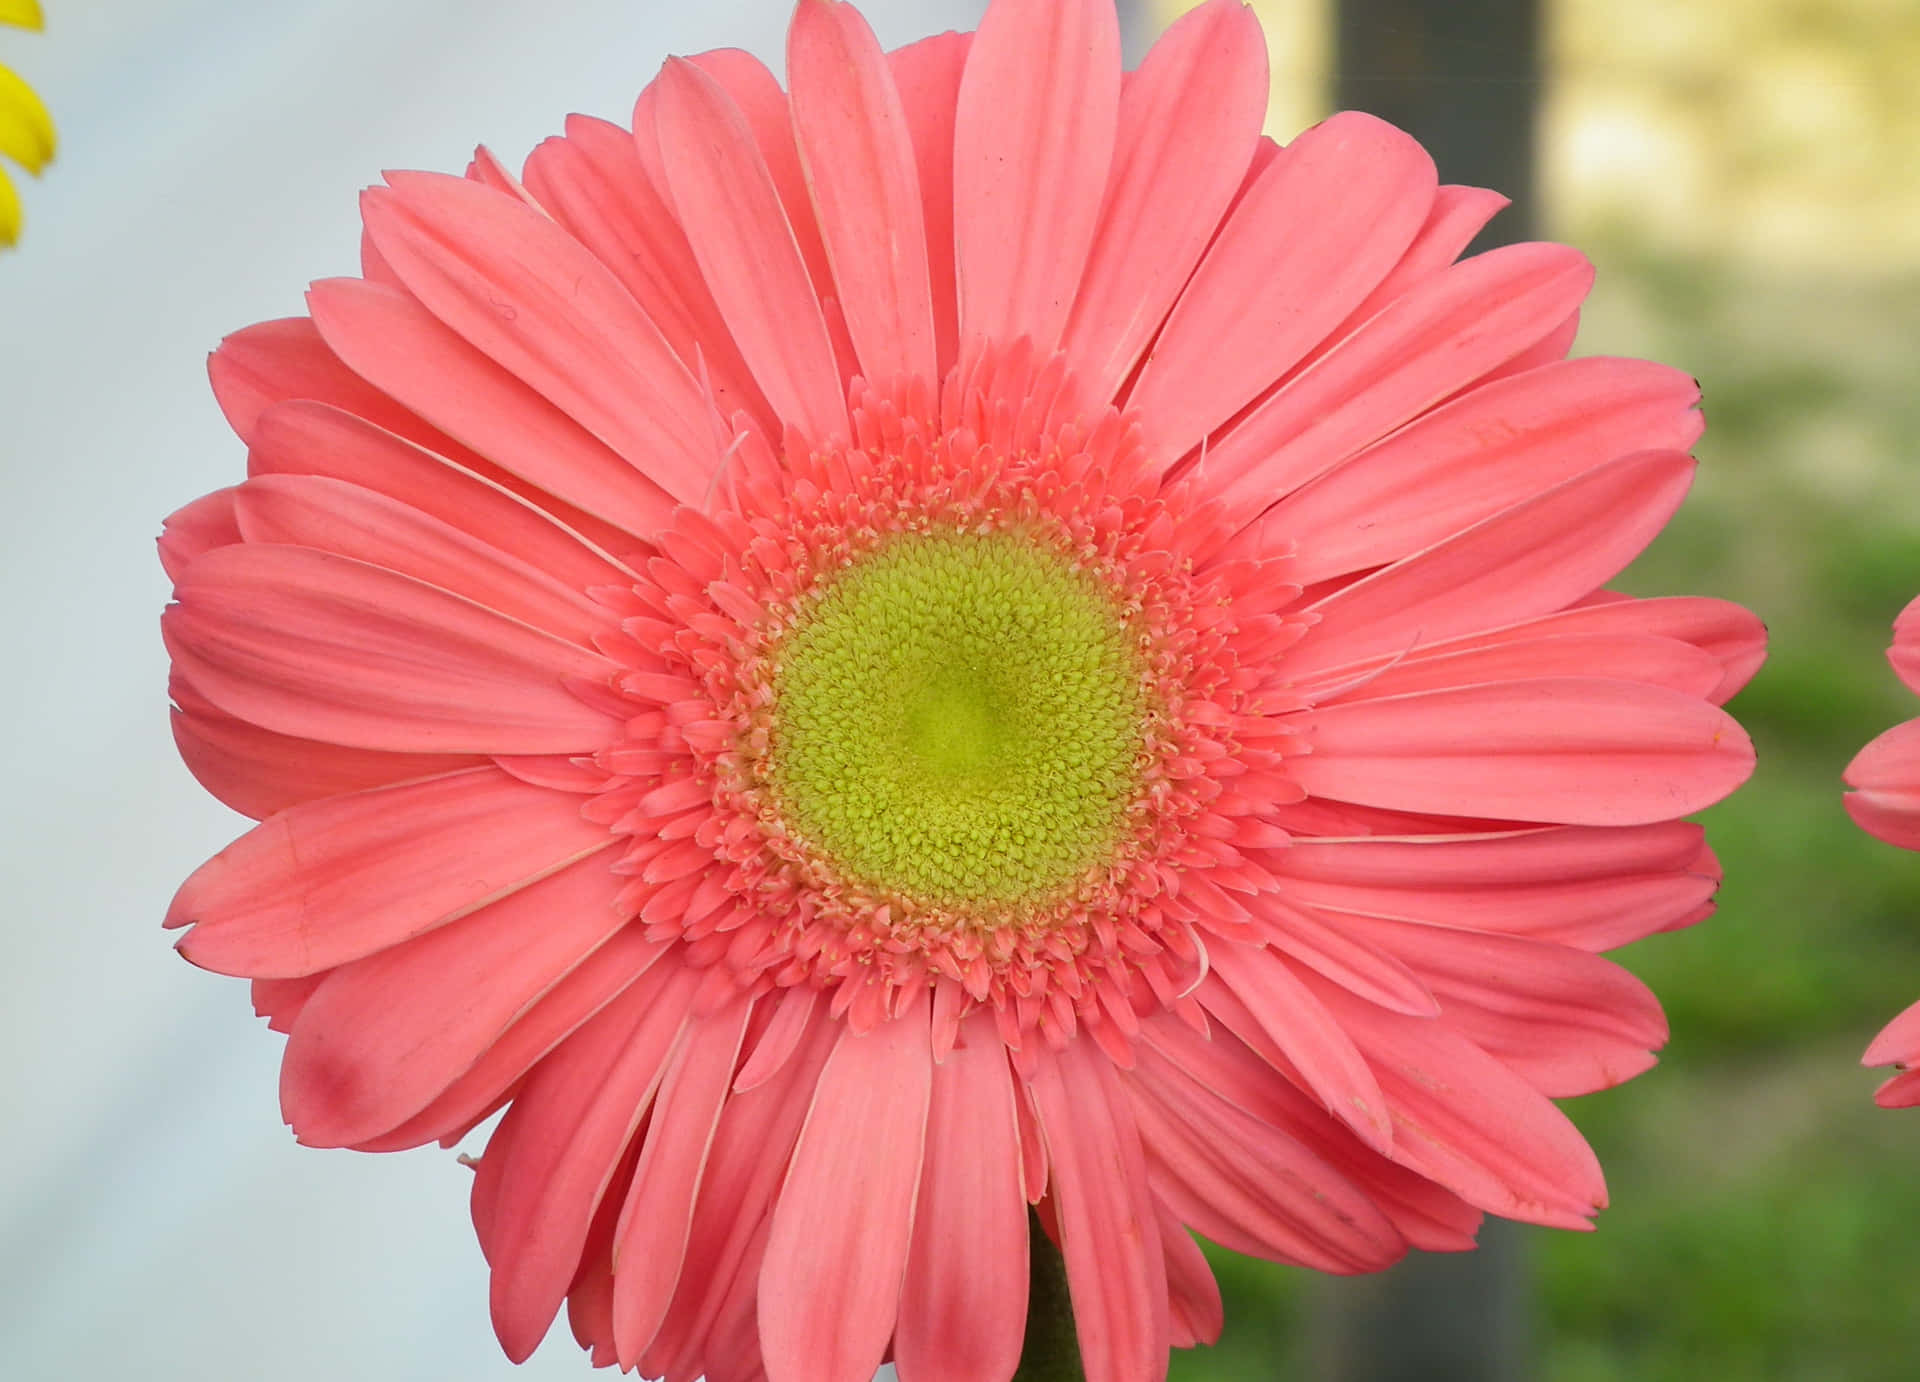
[[9, 212], [26, 130], [24, 14], [1776, 133]]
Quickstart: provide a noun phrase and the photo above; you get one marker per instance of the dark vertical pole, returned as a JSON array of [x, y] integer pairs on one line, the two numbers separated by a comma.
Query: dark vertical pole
[[1462, 77], [1138, 30], [1453, 1317]]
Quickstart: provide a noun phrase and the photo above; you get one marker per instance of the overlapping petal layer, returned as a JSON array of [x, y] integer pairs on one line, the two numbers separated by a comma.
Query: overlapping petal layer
[[496, 641], [1885, 803]]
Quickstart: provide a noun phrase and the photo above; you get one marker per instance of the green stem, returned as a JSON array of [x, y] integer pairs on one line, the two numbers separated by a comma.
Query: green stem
[[1052, 1350]]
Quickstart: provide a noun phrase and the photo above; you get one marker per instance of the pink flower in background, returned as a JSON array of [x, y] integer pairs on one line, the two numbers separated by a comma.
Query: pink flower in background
[[1885, 803], [966, 635]]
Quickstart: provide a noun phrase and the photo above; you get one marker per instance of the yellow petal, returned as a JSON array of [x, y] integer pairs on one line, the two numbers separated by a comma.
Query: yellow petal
[[24, 14], [9, 212], [26, 130]]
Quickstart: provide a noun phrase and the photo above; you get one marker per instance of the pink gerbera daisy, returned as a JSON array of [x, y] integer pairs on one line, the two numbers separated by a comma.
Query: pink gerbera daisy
[[1886, 804], [966, 635]]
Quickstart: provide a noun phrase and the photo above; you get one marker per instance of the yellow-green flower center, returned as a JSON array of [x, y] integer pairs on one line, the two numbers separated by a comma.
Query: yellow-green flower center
[[957, 721]]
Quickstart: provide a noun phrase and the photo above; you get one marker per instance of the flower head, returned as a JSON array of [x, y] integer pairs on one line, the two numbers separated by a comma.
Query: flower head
[[26, 130], [968, 634], [1885, 803]]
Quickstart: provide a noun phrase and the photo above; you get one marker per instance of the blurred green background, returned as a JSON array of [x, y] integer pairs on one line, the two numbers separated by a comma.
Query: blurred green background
[[1746, 176]]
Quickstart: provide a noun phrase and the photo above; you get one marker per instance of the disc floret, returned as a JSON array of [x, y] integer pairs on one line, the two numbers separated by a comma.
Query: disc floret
[[949, 715], [958, 722]]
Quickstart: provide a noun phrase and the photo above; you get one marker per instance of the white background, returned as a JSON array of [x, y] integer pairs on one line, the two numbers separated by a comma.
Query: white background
[[156, 1219]]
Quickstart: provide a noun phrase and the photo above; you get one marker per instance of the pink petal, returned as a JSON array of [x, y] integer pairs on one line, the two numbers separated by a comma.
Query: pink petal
[[303, 438], [837, 1252], [594, 183], [390, 339], [272, 361], [1322, 817], [1898, 1043], [1904, 655], [1732, 634], [1248, 1186], [1527, 560], [1886, 776], [1310, 1039], [322, 647], [964, 1299], [590, 1296], [488, 171], [1573, 751], [927, 75], [1592, 913], [567, 1130], [333, 880], [201, 526], [587, 988], [286, 363], [280, 1001], [792, 1018], [732, 1352], [1888, 816], [1571, 885], [1104, 1205], [1189, 123], [1902, 1091], [1466, 461], [1350, 962], [1550, 349], [1033, 140], [769, 114], [726, 1243], [858, 153], [1463, 1119], [1310, 238], [650, 1239], [537, 302], [1419, 350], [386, 1034], [373, 267], [1566, 1021], [1033, 1149], [1457, 215], [335, 516], [745, 245], [258, 772], [1650, 660], [1427, 1216], [484, 1200], [1733, 637], [1193, 1296]]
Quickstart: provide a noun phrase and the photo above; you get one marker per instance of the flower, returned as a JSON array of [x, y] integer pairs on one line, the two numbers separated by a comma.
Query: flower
[[1885, 803], [26, 130], [974, 635]]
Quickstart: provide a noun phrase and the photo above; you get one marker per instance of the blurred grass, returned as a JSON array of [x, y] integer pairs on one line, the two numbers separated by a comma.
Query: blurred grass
[[1765, 1208], [1766, 1219]]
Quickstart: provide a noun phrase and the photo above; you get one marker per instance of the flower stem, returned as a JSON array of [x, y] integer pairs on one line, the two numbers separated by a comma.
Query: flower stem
[[1051, 1352]]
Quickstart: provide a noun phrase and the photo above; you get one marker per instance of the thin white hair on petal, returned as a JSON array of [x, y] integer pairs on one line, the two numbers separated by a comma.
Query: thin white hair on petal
[[1206, 966], [1340, 689], [726, 439]]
